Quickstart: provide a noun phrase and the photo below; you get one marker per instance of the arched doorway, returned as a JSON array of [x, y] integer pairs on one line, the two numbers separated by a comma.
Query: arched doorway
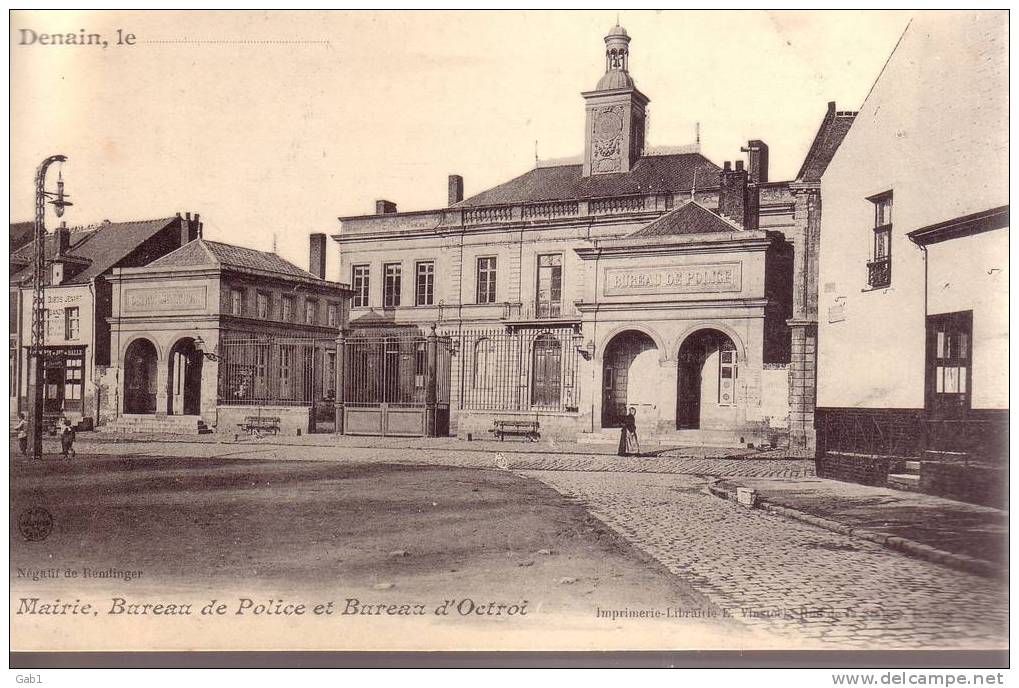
[[184, 391], [630, 368], [707, 374], [140, 377]]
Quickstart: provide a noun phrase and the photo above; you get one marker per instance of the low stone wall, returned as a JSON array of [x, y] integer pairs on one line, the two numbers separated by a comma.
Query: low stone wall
[[867, 470], [294, 420], [558, 426], [974, 483]]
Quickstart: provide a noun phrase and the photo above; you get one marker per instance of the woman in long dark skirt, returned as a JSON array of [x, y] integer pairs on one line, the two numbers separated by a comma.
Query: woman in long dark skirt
[[628, 434]]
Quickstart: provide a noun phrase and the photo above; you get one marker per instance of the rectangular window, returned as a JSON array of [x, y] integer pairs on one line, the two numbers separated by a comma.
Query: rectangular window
[[74, 378], [262, 306], [391, 287], [332, 315], [425, 284], [286, 308], [486, 280], [359, 280], [550, 286], [879, 269], [310, 312], [236, 302], [71, 323], [949, 363]]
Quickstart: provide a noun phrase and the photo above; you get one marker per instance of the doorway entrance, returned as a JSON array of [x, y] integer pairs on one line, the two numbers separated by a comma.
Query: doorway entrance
[[630, 363], [184, 392], [140, 377], [706, 380]]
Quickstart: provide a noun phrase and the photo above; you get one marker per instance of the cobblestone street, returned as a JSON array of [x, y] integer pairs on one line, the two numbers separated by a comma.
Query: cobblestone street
[[815, 587], [809, 586]]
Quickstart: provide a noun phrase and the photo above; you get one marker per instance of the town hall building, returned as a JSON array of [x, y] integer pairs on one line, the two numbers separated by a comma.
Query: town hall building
[[629, 277]]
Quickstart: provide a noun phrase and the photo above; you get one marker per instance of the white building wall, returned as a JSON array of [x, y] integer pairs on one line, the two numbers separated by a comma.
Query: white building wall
[[934, 132]]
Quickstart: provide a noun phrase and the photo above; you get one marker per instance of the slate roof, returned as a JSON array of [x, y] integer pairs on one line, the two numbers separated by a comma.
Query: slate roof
[[651, 174], [204, 252], [834, 128], [21, 234], [689, 218], [103, 246]]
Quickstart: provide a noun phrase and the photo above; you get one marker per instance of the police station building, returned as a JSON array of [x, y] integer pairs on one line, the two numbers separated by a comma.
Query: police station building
[[629, 277]]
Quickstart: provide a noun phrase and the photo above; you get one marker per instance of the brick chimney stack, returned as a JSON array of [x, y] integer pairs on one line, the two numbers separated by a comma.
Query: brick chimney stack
[[63, 239], [384, 207], [317, 255], [738, 200], [456, 189], [190, 227], [757, 154]]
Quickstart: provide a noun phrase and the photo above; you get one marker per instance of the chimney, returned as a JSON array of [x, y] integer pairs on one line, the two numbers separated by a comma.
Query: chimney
[[317, 255], [383, 207], [757, 151], [456, 189], [732, 193], [63, 239], [190, 227]]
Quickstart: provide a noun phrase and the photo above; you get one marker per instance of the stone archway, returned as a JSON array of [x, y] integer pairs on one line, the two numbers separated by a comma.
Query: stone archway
[[184, 387], [140, 363], [706, 381], [630, 366]]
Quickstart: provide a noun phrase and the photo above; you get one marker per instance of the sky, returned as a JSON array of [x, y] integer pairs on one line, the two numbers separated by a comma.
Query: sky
[[273, 124]]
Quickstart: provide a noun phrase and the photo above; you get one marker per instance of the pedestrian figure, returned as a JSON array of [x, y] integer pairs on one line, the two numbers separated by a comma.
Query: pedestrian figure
[[628, 442], [22, 431], [66, 438]]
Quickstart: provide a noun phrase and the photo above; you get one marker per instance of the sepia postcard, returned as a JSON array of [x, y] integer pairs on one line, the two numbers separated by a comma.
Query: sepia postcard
[[509, 331]]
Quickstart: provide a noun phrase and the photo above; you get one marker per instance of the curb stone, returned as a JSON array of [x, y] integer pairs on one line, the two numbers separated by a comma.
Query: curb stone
[[961, 562]]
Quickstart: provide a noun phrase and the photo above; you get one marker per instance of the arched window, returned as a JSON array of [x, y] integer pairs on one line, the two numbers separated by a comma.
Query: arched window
[[546, 371]]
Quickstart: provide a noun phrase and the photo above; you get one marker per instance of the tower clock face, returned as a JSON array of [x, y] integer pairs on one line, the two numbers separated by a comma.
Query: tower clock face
[[608, 125]]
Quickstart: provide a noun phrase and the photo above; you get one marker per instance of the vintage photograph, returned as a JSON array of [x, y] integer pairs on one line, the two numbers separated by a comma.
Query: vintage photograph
[[509, 331]]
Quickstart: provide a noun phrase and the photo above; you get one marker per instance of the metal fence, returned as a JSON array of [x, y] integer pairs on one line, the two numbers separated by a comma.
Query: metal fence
[[395, 370], [276, 371], [526, 370]]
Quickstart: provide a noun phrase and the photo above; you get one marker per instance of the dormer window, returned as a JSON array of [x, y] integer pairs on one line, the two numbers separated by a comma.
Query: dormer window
[[879, 268]]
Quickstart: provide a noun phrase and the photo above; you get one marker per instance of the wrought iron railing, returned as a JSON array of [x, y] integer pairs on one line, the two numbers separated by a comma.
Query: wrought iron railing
[[540, 310], [527, 370], [395, 370], [879, 273], [275, 371]]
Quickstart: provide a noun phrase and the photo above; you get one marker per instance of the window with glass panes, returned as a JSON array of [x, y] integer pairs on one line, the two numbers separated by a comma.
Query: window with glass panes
[[879, 269], [332, 315], [425, 283], [949, 363], [236, 302], [486, 280], [74, 378], [310, 312], [262, 305], [359, 280], [286, 308], [72, 322], [392, 273], [550, 285]]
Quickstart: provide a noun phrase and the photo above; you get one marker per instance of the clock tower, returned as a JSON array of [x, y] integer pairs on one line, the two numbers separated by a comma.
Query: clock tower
[[614, 129]]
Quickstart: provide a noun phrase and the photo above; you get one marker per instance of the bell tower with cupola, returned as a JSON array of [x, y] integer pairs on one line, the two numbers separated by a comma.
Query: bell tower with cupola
[[614, 129]]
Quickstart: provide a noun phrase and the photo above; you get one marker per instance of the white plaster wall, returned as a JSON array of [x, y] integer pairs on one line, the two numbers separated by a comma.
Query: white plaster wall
[[934, 132], [971, 273]]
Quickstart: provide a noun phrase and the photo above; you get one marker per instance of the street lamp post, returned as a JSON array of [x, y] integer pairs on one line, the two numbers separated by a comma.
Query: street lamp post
[[38, 295]]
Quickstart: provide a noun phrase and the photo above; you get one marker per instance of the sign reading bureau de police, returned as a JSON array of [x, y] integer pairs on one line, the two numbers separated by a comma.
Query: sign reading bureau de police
[[680, 279], [171, 299]]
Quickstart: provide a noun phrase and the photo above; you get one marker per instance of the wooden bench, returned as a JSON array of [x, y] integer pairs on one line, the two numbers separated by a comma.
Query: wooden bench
[[527, 428], [260, 424]]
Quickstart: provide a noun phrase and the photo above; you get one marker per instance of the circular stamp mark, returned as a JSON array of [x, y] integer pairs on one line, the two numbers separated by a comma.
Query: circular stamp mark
[[35, 523]]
